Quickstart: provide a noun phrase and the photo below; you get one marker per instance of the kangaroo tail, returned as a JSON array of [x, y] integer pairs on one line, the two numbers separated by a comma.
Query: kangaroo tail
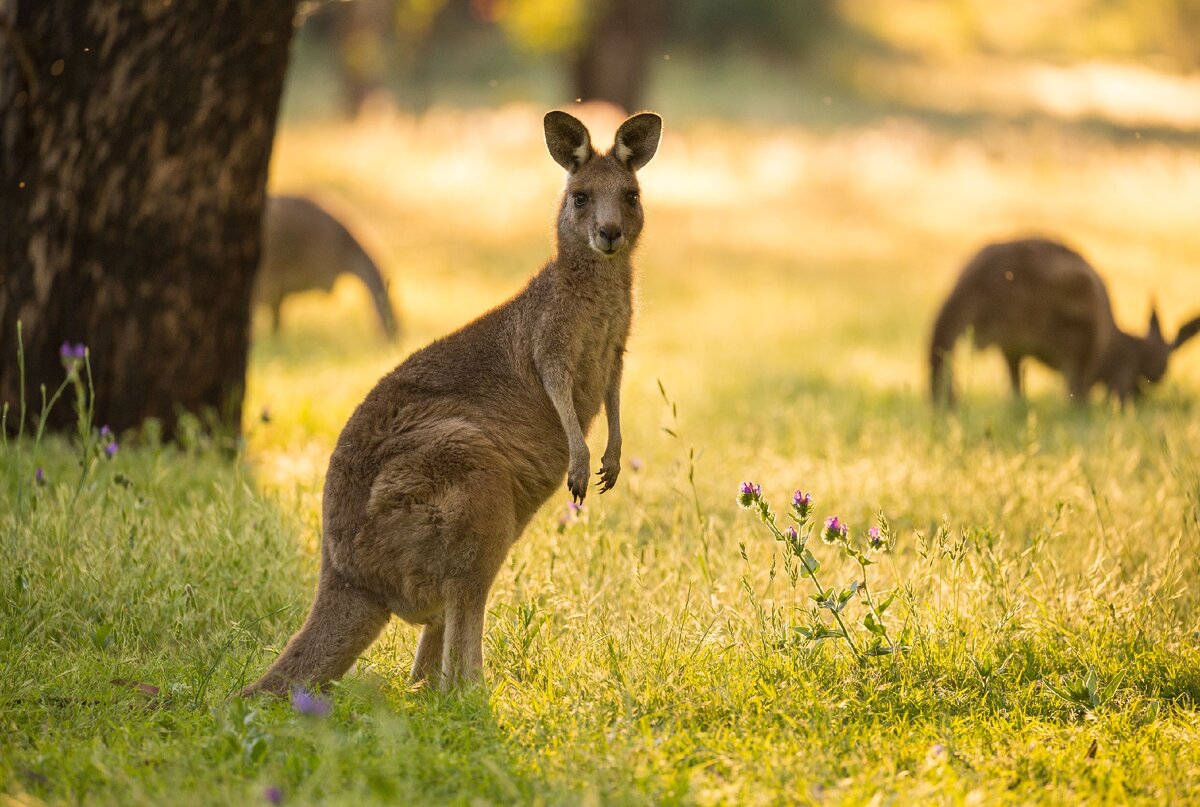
[[368, 272], [343, 622], [951, 321]]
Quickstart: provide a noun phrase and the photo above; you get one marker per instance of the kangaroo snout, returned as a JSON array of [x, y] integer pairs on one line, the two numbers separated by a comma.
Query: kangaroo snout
[[608, 239]]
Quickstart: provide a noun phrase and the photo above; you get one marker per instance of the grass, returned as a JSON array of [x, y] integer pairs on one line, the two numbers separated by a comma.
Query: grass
[[643, 653]]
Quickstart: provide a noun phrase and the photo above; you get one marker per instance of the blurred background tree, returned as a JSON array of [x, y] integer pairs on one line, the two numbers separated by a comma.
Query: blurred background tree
[[134, 143], [616, 50]]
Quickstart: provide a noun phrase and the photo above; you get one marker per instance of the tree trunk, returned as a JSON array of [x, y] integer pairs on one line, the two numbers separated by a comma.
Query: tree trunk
[[613, 62], [134, 143]]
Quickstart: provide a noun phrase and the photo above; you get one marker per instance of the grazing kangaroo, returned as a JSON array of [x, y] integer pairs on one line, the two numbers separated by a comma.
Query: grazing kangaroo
[[1038, 298], [305, 247], [441, 467]]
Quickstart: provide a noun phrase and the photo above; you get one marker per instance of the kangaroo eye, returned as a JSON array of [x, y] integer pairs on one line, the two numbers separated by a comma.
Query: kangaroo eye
[[631, 199], [580, 199]]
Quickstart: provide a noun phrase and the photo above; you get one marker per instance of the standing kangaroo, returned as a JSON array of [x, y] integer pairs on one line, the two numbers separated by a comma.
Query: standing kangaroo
[[305, 247], [441, 467], [1038, 298]]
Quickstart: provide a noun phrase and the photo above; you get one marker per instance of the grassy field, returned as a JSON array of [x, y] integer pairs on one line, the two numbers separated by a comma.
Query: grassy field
[[647, 651]]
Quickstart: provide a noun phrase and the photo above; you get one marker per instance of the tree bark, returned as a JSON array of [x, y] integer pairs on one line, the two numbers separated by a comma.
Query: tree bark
[[613, 62], [134, 144]]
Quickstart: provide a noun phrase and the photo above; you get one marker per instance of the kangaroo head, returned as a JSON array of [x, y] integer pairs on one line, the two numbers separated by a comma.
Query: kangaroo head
[[601, 208], [1153, 352]]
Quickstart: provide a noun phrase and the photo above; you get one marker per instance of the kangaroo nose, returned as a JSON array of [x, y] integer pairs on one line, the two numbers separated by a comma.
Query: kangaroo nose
[[611, 233]]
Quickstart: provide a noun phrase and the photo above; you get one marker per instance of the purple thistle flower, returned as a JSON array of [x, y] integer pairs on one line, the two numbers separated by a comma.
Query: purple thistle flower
[[573, 508], [105, 431], [875, 538], [835, 530], [309, 704], [39, 477], [111, 449], [273, 795], [636, 463], [70, 355], [749, 493], [802, 503]]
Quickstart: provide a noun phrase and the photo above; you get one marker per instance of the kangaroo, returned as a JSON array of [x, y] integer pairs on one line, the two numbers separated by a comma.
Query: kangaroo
[[441, 467], [305, 247], [1039, 298]]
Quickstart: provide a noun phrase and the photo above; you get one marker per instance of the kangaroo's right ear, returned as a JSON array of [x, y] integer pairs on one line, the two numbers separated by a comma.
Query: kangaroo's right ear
[[568, 140], [1186, 332], [637, 140]]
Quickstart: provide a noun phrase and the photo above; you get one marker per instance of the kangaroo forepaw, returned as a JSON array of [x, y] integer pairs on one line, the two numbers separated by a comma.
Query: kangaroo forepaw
[[608, 473]]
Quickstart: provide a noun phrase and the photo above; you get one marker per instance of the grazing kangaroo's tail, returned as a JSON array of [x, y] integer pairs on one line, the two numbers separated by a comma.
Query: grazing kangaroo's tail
[[344, 620], [951, 321], [368, 272]]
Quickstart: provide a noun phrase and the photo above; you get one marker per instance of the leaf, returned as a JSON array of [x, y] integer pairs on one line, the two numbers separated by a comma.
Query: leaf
[[102, 636], [1110, 689], [809, 565], [883, 606], [872, 625]]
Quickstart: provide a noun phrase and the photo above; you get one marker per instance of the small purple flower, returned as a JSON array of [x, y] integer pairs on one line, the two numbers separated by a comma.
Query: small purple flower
[[749, 493], [39, 477], [70, 355], [835, 530], [574, 508], [273, 795], [309, 704], [108, 442], [802, 503], [875, 538], [636, 463]]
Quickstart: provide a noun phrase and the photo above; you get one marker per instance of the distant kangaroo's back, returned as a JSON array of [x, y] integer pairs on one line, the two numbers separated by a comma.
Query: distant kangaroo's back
[[306, 248], [1030, 297]]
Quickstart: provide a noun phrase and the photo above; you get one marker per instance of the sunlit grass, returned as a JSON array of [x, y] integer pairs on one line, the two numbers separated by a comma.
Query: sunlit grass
[[787, 283]]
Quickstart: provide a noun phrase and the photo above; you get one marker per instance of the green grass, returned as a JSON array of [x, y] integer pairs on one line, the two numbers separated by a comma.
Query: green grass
[[636, 655]]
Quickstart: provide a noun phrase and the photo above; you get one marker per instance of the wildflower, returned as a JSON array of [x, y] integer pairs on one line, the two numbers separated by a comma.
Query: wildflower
[[308, 704], [273, 795], [265, 415], [749, 493], [108, 442], [636, 463], [802, 503], [574, 507], [71, 355], [875, 538], [39, 477], [835, 530]]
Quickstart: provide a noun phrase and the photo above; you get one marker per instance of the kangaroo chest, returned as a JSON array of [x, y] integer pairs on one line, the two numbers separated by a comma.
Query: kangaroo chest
[[597, 357]]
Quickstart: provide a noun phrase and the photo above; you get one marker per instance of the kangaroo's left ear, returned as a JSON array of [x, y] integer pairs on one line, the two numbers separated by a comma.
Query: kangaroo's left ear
[[637, 140], [1155, 332], [1190, 329], [568, 140]]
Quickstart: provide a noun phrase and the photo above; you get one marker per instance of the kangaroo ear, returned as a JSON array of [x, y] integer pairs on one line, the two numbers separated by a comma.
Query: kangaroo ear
[[1186, 332], [568, 140], [1155, 334], [637, 140]]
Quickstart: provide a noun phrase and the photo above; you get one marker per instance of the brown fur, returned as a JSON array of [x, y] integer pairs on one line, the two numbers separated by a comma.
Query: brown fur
[[439, 470], [1038, 298], [306, 248]]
